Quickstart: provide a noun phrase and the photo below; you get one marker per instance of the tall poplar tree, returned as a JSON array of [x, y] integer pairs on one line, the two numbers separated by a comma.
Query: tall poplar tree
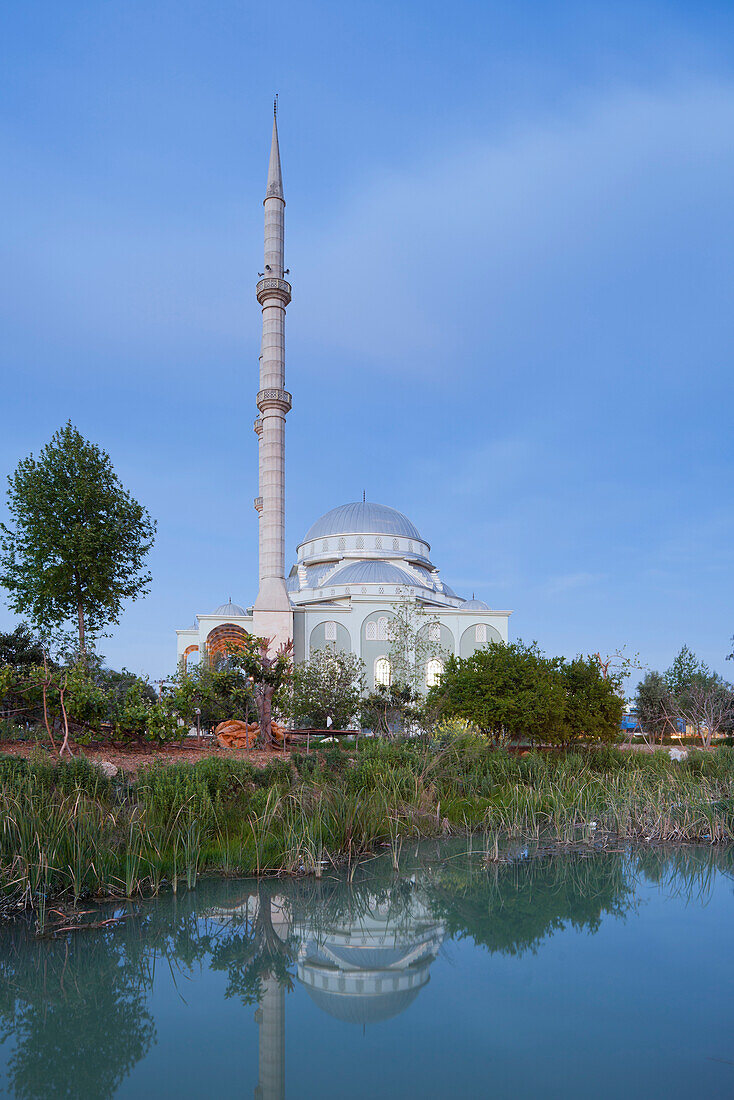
[[78, 541]]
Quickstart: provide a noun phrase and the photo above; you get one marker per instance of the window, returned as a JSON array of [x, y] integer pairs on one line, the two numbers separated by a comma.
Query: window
[[371, 632], [360, 542], [434, 669], [381, 590], [382, 628], [383, 672], [396, 544], [410, 547], [434, 632], [378, 543], [342, 544], [330, 632], [481, 634], [325, 544], [363, 589]]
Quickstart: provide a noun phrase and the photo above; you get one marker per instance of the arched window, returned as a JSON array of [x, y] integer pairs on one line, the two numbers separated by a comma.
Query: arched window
[[434, 669], [371, 632], [382, 628], [330, 632], [190, 657], [396, 544], [481, 633], [383, 672], [360, 542], [434, 632]]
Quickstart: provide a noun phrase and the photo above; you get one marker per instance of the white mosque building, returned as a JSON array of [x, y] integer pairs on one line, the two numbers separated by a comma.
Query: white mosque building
[[357, 562]]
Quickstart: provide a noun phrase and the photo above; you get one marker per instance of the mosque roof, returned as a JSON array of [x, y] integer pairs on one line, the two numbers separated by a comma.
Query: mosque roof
[[371, 572], [363, 517], [229, 608], [475, 605]]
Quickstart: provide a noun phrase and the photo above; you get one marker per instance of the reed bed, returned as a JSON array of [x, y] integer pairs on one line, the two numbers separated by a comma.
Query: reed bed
[[67, 830]]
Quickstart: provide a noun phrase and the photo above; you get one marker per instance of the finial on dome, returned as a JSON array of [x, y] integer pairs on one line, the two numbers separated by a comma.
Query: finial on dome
[[364, 496]]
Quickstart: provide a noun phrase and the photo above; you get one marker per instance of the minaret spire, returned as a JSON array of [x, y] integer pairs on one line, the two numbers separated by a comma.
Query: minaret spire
[[272, 609], [274, 188]]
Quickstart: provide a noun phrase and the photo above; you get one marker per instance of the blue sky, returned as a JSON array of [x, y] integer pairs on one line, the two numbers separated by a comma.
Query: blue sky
[[510, 231]]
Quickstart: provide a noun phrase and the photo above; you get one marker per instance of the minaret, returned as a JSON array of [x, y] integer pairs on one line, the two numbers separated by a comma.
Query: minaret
[[273, 616]]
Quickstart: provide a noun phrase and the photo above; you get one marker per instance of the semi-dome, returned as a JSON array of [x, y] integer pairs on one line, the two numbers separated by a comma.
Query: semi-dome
[[229, 608], [363, 518], [371, 572], [475, 605]]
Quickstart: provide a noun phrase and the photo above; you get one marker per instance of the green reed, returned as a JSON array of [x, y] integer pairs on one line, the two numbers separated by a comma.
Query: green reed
[[68, 831]]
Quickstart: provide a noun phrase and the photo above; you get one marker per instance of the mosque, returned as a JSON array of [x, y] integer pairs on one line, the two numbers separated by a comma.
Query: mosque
[[357, 562]]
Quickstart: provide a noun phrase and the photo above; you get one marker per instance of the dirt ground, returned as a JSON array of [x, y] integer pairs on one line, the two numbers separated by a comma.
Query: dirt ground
[[134, 758]]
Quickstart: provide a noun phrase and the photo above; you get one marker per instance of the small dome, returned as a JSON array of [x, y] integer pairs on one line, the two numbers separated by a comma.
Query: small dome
[[371, 572], [475, 605], [227, 609], [363, 518]]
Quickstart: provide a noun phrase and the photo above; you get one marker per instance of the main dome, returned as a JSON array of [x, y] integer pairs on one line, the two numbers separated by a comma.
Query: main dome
[[363, 518]]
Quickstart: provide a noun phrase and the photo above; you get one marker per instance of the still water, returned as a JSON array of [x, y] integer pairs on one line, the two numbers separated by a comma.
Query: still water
[[605, 975]]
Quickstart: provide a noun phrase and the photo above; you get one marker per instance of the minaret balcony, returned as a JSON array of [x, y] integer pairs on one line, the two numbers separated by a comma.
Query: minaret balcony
[[274, 288], [274, 399]]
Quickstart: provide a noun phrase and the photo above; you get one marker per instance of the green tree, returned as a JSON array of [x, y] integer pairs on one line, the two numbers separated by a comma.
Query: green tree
[[508, 691], [78, 542], [268, 673], [687, 672], [655, 706], [217, 690], [391, 709], [701, 698], [593, 701], [328, 685], [20, 648]]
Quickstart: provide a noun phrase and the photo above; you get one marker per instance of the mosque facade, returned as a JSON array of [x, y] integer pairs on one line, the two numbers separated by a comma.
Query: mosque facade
[[357, 563]]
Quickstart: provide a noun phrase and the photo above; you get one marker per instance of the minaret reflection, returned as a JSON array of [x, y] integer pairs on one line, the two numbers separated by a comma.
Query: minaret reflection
[[362, 957]]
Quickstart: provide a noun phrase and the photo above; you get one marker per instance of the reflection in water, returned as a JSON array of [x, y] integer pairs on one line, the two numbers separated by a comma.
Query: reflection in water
[[77, 1007]]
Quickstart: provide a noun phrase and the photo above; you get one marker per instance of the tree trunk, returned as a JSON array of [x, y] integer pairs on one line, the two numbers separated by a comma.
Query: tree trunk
[[266, 714], [82, 642]]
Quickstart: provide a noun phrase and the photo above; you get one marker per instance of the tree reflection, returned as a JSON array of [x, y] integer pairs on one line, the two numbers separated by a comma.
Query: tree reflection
[[76, 1009], [513, 908]]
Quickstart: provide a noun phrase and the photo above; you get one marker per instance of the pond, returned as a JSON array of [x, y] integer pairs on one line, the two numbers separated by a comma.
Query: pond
[[544, 975]]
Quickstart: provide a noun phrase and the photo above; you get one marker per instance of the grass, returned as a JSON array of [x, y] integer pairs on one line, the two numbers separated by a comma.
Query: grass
[[67, 830]]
